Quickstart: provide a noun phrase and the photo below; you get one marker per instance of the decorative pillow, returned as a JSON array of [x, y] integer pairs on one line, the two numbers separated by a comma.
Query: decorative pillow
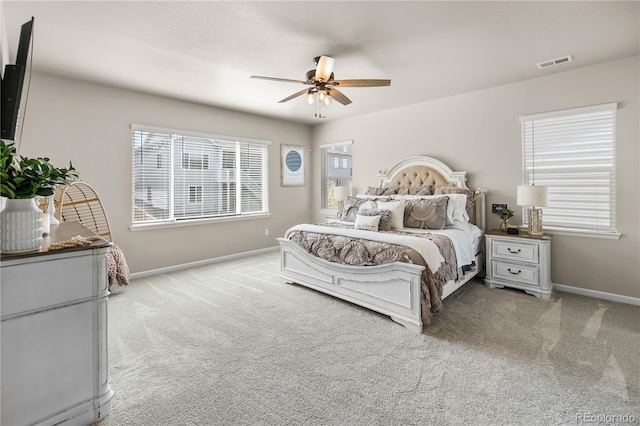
[[371, 190], [389, 191], [424, 190], [385, 217], [426, 213], [471, 201], [368, 205], [368, 223], [397, 212], [351, 206]]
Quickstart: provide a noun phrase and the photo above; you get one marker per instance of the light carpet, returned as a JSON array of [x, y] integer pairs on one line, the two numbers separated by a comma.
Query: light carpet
[[228, 344]]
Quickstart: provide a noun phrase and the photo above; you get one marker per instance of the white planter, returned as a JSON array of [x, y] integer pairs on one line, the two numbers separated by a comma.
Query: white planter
[[20, 226]]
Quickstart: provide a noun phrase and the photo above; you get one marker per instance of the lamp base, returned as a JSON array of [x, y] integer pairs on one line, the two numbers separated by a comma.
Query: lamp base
[[340, 208], [534, 217]]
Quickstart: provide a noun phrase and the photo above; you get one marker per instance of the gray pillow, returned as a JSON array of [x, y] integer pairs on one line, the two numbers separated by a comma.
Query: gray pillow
[[385, 217], [351, 206], [426, 213]]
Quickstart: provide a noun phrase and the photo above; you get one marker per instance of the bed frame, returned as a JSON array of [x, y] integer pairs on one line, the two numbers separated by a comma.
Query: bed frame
[[391, 289]]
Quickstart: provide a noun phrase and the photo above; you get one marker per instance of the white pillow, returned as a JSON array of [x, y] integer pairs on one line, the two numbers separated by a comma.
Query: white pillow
[[368, 205], [397, 212], [458, 206], [368, 223]]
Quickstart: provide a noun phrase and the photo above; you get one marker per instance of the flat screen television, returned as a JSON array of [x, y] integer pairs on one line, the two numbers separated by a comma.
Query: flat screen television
[[12, 84]]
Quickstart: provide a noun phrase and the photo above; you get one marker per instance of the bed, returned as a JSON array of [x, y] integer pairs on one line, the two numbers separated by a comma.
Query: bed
[[407, 272]]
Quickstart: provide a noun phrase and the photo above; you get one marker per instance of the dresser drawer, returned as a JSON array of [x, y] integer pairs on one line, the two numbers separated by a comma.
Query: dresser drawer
[[525, 274], [515, 250]]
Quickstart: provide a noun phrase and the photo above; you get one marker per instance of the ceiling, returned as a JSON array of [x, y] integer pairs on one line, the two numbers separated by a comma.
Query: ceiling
[[205, 52]]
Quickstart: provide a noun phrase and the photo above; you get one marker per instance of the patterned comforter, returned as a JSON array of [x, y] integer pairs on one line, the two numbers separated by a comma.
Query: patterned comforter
[[361, 252]]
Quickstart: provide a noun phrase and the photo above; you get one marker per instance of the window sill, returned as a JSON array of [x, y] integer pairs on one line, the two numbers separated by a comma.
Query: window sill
[[193, 222], [581, 233]]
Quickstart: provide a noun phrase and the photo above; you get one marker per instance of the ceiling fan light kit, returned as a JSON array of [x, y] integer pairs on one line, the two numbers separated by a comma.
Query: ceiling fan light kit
[[324, 86]]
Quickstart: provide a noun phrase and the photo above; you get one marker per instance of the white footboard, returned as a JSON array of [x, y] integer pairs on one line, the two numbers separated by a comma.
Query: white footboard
[[392, 289]]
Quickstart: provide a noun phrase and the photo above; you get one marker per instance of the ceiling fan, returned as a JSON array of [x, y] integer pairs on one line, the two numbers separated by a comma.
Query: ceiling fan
[[323, 86]]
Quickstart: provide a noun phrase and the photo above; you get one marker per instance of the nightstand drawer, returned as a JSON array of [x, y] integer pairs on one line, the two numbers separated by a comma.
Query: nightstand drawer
[[515, 272], [515, 250]]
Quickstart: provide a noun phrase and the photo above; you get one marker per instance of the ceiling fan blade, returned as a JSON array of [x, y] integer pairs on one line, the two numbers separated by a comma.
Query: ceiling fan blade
[[361, 83], [286, 80], [295, 95], [338, 96], [324, 68]]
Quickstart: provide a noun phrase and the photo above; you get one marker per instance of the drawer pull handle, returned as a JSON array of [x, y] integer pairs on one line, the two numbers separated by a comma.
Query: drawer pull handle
[[514, 273], [513, 251]]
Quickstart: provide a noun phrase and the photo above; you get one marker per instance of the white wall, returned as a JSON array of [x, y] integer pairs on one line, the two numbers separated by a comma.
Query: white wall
[[480, 133], [89, 124]]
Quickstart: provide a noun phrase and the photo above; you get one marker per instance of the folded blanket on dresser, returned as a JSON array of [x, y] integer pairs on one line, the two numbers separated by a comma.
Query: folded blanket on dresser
[[339, 243]]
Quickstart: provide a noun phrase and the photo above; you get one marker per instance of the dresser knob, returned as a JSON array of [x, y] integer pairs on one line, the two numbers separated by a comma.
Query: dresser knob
[[513, 251], [513, 273]]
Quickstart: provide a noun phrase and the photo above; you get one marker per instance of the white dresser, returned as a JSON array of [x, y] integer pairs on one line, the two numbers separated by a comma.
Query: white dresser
[[54, 333], [519, 261]]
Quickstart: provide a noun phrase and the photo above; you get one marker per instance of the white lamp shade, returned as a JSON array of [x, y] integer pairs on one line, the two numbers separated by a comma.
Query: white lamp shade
[[533, 195], [341, 192], [324, 68]]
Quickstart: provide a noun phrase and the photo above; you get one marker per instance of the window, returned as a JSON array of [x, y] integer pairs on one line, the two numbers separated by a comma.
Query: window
[[573, 153], [336, 171], [195, 161], [195, 194], [202, 176]]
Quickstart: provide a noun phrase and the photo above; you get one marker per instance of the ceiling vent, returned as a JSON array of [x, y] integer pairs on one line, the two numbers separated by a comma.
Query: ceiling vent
[[553, 62]]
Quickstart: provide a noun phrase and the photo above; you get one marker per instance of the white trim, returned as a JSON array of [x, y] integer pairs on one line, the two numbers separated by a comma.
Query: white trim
[[144, 127], [583, 110], [191, 222], [597, 294], [197, 263], [582, 233], [327, 145]]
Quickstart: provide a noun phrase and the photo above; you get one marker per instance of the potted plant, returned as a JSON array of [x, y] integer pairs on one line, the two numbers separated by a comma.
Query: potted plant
[[22, 180], [505, 214]]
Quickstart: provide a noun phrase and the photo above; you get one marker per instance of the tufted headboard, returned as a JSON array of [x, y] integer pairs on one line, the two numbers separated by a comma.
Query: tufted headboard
[[420, 171]]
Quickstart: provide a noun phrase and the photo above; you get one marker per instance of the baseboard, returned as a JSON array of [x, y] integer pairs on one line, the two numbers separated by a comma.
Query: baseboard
[[597, 294], [204, 262]]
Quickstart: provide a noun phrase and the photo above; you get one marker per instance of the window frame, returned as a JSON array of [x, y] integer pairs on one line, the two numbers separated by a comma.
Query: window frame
[[186, 221], [536, 174], [324, 208]]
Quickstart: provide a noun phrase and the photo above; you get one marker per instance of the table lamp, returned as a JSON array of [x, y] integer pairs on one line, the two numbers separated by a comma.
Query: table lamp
[[340, 192], [533, 196]]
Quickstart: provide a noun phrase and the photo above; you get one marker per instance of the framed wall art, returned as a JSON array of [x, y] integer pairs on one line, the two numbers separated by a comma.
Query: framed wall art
[[292, 165]]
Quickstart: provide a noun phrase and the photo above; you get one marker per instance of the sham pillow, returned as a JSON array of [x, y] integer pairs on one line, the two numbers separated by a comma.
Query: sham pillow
[[471, 201], [351, 206], [368, 223], [385, 217], [372, 190], [397, 212], [426, 213], [425, 190]]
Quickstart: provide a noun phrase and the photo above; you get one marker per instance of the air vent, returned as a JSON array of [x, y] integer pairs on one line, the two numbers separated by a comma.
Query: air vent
[[553, 62]]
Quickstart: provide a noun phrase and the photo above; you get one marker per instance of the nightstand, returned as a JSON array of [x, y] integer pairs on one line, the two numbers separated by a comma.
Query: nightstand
[[520, 261]]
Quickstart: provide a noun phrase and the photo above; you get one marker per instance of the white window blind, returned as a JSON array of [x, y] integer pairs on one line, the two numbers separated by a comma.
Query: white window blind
[[573, 153], [336, 171], [179, 176]]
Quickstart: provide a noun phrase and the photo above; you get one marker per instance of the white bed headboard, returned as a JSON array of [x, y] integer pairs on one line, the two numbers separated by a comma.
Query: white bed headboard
[[419, 171]]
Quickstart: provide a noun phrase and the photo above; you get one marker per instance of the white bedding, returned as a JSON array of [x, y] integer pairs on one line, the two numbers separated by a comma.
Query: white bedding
[[464, 236]]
